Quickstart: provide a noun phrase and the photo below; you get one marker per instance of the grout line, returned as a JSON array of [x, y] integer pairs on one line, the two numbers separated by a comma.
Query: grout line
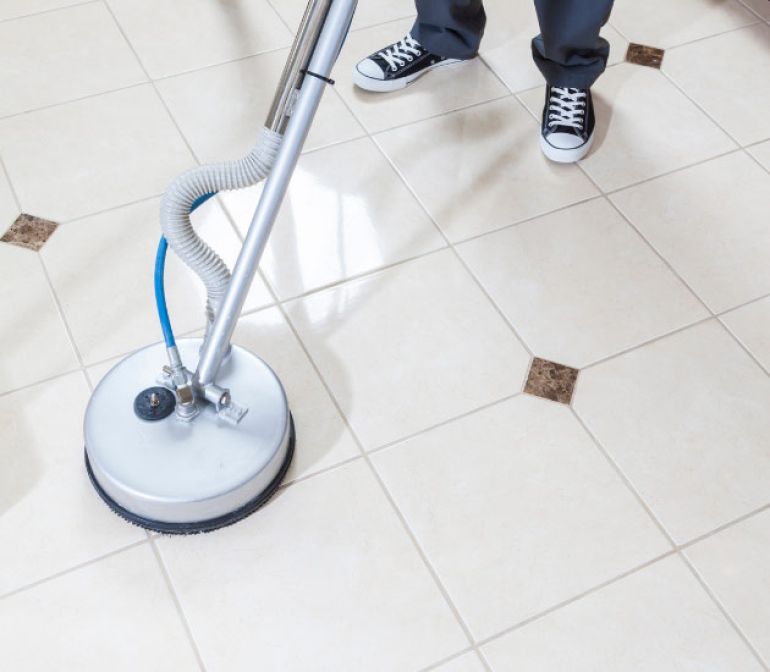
[[738, 306], [625, 479], [376, 475], [438, 115], [175, 598], [112, 208], [753, 11], [363, 455], [49, 379], [735, 29], [74, 568], [742, 346], [14, 194], [333, 467], [575, 598], [51, 10], [62, 316], [72, 101], [724, 527], [647, 342], [736, 628], [673, 171], [141, 64], [448, 659], [456, 254], [675, 547], [449, 421]]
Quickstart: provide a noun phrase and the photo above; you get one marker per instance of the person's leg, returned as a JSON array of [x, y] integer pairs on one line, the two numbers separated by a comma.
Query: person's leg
[[569, 51], [450, 28], [445, 32], [571, 55]]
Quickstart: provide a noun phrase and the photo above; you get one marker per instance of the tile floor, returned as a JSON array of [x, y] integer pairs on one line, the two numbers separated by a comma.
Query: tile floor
[[532, 400]]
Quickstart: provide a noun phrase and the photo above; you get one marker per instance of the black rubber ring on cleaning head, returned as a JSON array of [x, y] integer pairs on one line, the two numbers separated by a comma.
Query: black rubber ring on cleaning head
[[203, 525]]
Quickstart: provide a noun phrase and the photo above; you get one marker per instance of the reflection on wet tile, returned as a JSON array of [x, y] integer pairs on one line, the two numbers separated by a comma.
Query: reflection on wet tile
[[641, 54], [346, 213], [551, 380], [29, 231]]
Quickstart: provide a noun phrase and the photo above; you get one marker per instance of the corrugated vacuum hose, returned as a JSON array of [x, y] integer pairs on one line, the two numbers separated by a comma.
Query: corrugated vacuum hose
[[179, 451]]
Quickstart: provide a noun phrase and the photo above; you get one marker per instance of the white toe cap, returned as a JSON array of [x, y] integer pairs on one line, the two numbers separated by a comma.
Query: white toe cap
[[564, 140], [368, 68]]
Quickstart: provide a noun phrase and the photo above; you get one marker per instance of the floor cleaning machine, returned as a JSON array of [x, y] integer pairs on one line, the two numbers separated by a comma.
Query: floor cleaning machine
[[181, 450]]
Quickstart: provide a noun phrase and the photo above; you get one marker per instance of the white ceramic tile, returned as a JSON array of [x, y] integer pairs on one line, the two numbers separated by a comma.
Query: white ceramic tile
[[656, 619], [440, 91], [173, 36], [58, 56], [579, 284], [116, 614], [10, 9], [480, 169], [722, 74], [664, 24], [409, 347], [468, 663], [710, 223], [751, 325], [686, 420], [644, 127], [761, 7], [33, 339], [51, 518], [222, 109], [323, 439], [346, 212], [368, 12], [761, 153], [736, 565], [323, 576], [9, 211], [507, 37], [517, 510], [90, 155], [102, 268]]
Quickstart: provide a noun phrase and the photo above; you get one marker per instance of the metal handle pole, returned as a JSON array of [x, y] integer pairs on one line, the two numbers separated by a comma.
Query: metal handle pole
[[324, 55]]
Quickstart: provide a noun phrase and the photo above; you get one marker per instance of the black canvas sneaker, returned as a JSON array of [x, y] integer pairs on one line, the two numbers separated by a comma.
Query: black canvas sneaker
[[568, 124], [397, 65]]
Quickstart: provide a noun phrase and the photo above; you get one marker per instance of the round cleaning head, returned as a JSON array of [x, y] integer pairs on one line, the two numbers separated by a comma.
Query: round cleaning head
[[183, 477]]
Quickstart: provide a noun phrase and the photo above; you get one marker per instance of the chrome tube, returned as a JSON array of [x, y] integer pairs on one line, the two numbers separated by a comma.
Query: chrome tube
[[299, 56], [323, 56]]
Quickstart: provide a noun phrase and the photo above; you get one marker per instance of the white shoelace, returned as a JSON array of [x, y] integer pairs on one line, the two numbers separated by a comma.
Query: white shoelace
[[566, 107], [397, 55]]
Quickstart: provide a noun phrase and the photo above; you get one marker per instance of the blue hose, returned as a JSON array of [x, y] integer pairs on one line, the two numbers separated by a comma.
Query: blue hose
[[160, 289]]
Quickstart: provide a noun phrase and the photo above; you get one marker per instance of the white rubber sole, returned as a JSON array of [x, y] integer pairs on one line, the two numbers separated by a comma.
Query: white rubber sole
[[362, 81], [565, 155]]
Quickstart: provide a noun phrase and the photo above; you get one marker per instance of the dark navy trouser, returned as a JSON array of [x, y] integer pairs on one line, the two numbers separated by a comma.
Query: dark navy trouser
[[568, 51]]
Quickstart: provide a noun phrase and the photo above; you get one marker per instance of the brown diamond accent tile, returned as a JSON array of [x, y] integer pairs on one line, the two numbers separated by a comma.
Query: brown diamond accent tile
[[641, 54], [551, 380], [29, 231]]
